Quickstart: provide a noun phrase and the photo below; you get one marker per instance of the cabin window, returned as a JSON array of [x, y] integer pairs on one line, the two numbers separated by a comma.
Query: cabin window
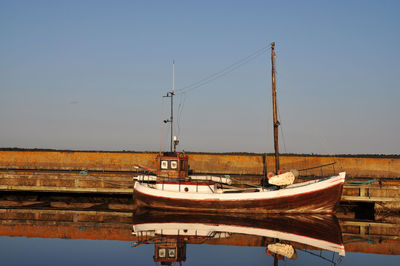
[[161, 253], [174, 164], [171, 252], [164, 164]]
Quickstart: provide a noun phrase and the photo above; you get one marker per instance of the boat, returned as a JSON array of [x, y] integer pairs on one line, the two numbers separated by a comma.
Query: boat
[[171, 186], [281, 235]]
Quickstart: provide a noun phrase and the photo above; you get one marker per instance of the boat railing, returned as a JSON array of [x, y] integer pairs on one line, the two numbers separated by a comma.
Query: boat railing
[[318, 171], [181, 182]]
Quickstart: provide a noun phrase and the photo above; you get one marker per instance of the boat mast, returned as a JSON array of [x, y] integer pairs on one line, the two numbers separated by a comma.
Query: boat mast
[[275, 113], [171, 94]]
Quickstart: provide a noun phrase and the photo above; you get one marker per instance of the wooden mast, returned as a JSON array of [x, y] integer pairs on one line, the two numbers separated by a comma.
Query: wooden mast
[[275, 113]]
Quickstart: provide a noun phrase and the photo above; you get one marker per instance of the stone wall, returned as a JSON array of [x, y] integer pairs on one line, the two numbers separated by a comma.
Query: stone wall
[[242, 164]]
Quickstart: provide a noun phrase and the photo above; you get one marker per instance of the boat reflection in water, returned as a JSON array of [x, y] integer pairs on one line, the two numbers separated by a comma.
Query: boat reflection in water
[[283, 234]]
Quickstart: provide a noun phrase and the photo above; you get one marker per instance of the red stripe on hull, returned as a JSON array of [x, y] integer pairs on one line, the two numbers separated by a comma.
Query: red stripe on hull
[[322, 201], [189, 183]]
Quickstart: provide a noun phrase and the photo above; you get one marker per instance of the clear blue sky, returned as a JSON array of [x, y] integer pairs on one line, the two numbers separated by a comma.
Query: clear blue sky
[[91, 75]]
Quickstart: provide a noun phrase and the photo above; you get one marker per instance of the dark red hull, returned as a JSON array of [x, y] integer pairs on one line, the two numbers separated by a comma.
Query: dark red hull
[[320, 201], [321, 227]]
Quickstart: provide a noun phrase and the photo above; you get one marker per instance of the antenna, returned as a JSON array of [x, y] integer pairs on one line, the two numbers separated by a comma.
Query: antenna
[[171, 95], [173, 76]]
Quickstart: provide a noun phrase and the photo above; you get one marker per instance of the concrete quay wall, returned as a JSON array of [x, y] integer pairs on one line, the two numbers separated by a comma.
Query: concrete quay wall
[[239, 164]]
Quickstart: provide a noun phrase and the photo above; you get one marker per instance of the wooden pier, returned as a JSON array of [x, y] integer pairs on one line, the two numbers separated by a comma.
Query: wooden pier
[[385, 195]]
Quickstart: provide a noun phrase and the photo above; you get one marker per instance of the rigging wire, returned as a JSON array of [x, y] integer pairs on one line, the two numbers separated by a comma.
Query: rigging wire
[[177, 120], [182, 92], [204, 81], [224, 71], [283, 136], [180, 109], [279, 116], [161, 126]]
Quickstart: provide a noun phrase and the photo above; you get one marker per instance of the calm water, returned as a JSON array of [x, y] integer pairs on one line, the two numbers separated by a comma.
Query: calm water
[[59, 232], [39, 251]]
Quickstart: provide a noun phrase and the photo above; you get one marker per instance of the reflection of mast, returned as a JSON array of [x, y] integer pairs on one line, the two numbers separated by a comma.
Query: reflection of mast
[[275, 113], [275, 260]]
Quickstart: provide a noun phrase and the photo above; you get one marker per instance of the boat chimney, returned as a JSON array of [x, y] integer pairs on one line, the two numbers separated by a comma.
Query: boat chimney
[[176, 142]]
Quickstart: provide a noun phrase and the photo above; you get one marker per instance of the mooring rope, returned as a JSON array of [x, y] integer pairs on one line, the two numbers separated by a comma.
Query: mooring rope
[[85, 173], [362, 182], [315, 167]]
